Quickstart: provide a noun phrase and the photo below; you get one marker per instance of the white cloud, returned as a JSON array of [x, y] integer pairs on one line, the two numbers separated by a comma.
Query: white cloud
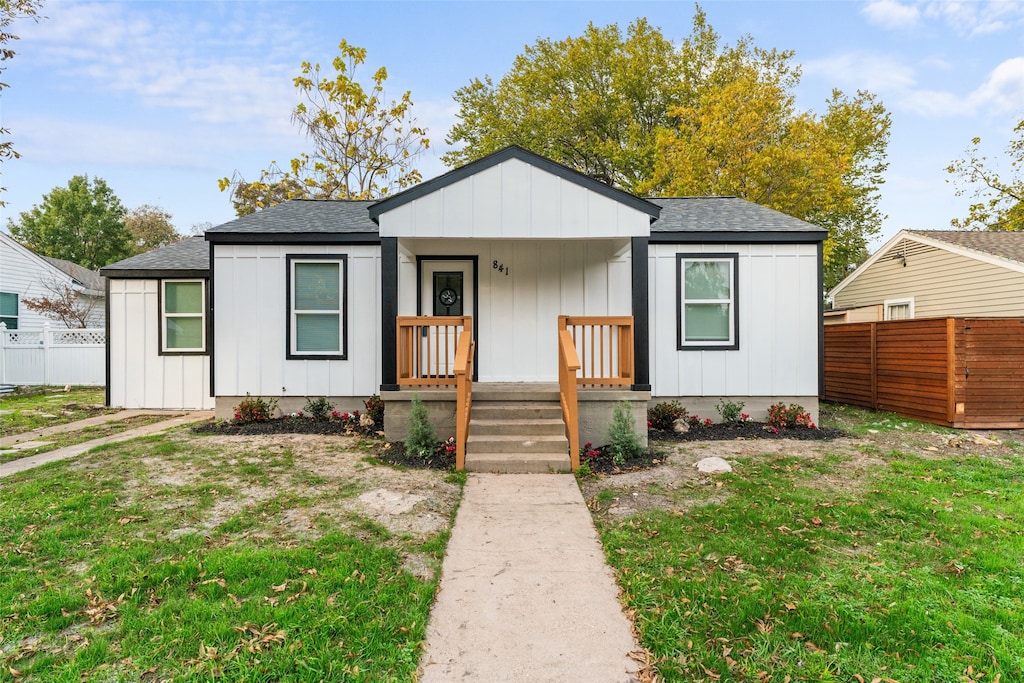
[[1003, 90], [863, 70], [891, 14]]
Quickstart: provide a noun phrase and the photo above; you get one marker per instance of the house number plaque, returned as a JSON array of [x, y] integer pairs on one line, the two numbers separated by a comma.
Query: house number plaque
[[500, 267]]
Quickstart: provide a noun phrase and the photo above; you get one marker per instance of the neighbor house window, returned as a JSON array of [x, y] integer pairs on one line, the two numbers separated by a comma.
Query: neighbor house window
[[899, 309], [9, 309], [706, 294], [316, 307], [184, 316]]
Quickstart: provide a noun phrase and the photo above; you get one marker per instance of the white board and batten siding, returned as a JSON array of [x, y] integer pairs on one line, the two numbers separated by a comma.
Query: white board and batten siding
[[778, 325], [517, 325], [940, 282], [140, 377], [514, 200], [250, 319]]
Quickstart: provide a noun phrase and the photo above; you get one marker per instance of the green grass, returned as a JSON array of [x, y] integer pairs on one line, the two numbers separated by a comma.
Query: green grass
[[29, 410], [862, 421], [63, 439], [917, 577], [121, 572]]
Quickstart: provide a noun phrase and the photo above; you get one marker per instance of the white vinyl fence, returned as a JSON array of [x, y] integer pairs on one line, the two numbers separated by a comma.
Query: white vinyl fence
[[53, 356]]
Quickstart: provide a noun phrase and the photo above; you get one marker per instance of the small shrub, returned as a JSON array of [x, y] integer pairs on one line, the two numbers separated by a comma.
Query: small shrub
[[731, 412], [375, 409], [254, 409], [318, 408], [782, 417], [623, 441], [421, 441], [664, 415]]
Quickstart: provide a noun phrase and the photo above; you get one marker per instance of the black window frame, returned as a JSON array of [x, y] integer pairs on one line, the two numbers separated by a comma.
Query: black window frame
[[290, 261], [681, 343]]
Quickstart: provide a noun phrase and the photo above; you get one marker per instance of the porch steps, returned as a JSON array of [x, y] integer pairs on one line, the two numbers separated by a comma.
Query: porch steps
[[516, 433]]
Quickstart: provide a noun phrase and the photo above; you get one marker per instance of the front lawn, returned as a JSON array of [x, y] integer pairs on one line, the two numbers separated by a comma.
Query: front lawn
[[40, 407], [188, 558], [894, 555]]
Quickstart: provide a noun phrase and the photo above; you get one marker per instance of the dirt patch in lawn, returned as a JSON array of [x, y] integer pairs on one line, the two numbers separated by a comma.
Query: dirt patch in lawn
[[842, 464]]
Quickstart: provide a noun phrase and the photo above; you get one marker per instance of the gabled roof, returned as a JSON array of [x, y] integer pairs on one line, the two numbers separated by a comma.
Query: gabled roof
[[727, 215], [91, 280], [526, 156], [189, 257], [302, 218], [1005, 249]]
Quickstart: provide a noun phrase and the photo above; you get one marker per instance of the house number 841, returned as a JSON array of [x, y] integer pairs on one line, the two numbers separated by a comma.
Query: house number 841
[[500, 267]]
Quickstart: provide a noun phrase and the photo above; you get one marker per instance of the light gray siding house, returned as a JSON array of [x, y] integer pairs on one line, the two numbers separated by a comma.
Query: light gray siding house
[[930, 273], [708, 297]]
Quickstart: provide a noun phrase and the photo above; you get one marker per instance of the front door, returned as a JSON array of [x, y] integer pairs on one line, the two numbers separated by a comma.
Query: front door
[[446, 289]]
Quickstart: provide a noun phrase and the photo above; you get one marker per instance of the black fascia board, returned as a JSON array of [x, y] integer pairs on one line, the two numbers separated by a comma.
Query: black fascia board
[[767, 237], [526, 156], [150, 274], [293, 238]]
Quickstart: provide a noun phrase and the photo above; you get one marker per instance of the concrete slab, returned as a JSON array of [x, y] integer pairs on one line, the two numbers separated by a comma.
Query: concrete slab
[[7, 441], [525, 591], [22, 464]]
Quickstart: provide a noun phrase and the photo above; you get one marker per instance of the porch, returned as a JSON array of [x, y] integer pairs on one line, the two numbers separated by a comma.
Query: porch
[[516, 426]]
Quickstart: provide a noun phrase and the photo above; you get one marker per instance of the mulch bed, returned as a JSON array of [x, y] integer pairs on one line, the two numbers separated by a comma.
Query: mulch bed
[[745, 430], [283, 425]]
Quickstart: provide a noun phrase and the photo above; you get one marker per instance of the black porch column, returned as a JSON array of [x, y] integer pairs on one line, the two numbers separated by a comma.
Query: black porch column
[[641, 328], [389, 313]]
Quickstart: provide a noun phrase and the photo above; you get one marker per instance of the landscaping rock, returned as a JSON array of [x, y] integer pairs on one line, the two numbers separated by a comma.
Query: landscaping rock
[[713, 465], [680, 426], [365, 420]]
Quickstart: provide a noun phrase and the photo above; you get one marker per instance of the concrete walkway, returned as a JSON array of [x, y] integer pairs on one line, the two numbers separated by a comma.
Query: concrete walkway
[[525, 591], [22, 464]]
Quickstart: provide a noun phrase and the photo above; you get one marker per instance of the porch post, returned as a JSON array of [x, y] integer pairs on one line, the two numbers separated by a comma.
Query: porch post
[[641, 331], [389, 313]]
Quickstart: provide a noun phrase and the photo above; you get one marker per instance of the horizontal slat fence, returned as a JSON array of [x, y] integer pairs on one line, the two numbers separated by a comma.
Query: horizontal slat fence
[[959, 372]]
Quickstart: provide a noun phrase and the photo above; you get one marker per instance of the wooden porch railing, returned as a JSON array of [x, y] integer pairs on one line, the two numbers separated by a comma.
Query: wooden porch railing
[[604, 346], [464, 395], [426, 348], [568, 366]]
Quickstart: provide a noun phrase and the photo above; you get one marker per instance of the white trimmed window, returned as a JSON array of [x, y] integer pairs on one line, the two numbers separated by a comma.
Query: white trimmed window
[[899, 309], [706, 289], [9, 309], [317, 307], [183, 309]]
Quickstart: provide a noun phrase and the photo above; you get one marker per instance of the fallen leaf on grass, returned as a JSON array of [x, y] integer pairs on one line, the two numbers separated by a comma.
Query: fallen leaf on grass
[[280, 589], [128, 519]]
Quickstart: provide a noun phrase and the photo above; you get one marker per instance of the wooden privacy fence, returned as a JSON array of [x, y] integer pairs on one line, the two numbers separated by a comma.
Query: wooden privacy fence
[[426, 348], [604, 345], [958, 372], [53, 356]]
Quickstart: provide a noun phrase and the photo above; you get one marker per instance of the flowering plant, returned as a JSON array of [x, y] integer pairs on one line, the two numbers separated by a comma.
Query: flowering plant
[[588, 452], [780, 416], [254, 409]]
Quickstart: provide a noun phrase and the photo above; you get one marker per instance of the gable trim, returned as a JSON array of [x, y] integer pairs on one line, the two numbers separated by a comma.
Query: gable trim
[[527, 157]]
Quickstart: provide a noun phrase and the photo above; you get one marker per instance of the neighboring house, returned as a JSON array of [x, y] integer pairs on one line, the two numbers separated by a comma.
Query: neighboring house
[[930, 273], [712, 297], [27, 275], [157, 345]]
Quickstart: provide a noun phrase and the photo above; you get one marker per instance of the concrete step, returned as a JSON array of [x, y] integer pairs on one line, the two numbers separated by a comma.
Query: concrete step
[[514, 395], [518, 463], [513, 427], [517, 443], [526, 410]]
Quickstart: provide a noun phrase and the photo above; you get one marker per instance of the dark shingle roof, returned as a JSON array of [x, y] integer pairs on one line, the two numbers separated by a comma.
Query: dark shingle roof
[[308, 216], [724, 214], [91, 280], [1007, 245], [188, 258]]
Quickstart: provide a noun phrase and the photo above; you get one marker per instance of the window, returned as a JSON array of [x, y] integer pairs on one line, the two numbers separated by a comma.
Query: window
[[899, 309], [706, 295], [183, 328], [317, 307], [9, 310]]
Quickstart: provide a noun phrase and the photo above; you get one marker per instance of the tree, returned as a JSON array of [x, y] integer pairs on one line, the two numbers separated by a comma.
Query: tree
[[65, 303], [150, 228], [1001, 205], [363, 147], [703, 119], [10, 10], [593, 103], [82, 223]]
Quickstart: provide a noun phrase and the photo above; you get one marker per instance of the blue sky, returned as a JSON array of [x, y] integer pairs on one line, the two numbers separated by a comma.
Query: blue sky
[[162, 98]]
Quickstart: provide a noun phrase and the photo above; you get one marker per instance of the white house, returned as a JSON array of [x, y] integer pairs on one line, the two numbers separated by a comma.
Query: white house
[[694, 298], [27, 275]]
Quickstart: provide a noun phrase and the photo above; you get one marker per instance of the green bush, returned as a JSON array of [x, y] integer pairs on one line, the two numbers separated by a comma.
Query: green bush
[[421, 440], [318, 408], [375, 409], [254, 409], [730, 411], [664, 415], [623, 441]]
